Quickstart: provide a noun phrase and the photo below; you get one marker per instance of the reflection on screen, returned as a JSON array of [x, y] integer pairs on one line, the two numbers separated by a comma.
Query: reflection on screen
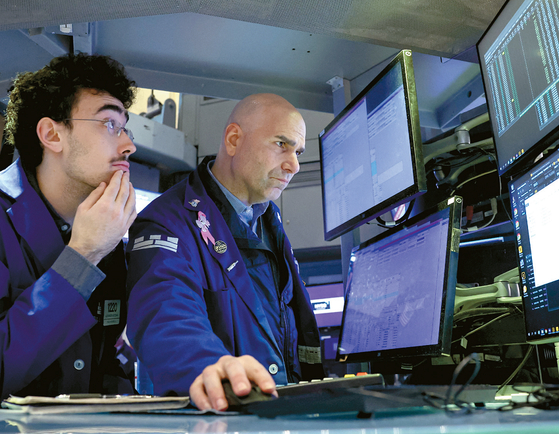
[[395, 289]]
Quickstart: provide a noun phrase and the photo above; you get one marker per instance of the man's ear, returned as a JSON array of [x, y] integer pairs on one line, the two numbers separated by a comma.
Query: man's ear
[[231, 138], [48, 132]]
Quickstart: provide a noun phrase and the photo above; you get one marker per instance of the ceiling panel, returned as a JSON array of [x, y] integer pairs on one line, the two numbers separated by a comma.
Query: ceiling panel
[[235, 48], [441, 27]]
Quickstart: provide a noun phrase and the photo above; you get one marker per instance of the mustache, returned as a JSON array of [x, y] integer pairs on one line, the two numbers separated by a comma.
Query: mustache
[[123, 158]]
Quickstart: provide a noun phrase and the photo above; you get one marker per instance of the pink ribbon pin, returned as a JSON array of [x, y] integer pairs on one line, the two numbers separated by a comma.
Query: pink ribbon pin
[[204, 224]]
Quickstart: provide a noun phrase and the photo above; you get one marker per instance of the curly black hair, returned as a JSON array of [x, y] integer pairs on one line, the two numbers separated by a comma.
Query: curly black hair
[[52, 92]]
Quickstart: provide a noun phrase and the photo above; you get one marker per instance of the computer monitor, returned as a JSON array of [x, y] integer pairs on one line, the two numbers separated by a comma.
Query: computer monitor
[[400, 289], [534, 198], [519, 58], [144, 198], [371, 155], [327, 302]]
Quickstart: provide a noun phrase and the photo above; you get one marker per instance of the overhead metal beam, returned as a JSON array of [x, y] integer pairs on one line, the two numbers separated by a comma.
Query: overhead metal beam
[[56, 45], [227, 89], [453, 106], [84, 37]]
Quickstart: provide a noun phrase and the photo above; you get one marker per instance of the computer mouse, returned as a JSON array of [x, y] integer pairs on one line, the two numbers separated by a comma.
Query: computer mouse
[[235, 402]]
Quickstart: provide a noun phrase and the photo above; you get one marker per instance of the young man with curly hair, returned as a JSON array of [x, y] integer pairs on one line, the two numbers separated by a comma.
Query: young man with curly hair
[[65, 205]]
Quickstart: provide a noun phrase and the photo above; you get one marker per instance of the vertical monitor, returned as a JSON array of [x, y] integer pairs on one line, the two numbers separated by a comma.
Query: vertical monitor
[[400, 289], [519, 58], [534, 198], [371, 154]]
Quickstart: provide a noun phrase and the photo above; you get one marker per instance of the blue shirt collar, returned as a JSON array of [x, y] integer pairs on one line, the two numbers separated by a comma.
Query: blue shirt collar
[[248, 214]]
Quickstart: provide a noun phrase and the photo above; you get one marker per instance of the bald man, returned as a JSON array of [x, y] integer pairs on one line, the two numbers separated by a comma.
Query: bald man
[[214, 287]]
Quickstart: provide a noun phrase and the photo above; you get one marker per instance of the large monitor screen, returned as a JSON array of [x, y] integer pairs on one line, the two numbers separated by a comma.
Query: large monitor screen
[[519, 57], [371, 153], [535, 205], [401, 287]]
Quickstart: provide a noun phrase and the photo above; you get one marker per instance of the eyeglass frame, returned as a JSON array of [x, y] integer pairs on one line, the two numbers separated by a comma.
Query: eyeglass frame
[[115, 131]]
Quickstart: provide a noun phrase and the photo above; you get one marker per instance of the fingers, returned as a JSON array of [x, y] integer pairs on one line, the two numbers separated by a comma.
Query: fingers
[[207, 391], [114, 187], [130, 206], [124, 190], [198, 395], [104, 217]]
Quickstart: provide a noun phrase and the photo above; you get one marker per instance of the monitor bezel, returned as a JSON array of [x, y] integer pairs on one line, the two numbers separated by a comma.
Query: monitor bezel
[[442, 347], [529, 156], [419, 186]]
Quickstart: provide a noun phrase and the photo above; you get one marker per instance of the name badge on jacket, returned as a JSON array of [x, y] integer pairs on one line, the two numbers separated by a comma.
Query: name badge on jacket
[[111, 313]]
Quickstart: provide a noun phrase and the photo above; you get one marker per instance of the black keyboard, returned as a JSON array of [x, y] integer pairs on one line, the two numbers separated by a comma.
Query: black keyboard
[[363, 395], [304, 388]]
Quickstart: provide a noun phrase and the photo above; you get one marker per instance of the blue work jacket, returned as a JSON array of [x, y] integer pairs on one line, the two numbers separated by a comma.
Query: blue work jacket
[[51, 340], [192, 301]]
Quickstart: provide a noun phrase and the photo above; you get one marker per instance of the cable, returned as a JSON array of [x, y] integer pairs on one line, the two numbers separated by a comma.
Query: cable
[[463, 406], [503, 201], [469, 313], [483, 326], [494, 210], [450, 399], [406, 215], [518, 368], [471, 179]]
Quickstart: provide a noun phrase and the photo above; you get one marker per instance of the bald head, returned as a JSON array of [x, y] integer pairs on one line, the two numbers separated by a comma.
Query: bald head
[[254, 109], [262, 141]]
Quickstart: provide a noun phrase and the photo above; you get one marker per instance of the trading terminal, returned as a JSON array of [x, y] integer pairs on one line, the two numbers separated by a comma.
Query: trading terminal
[[434, 273]]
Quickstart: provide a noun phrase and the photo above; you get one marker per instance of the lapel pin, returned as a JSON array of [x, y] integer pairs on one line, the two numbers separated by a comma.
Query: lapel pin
[[204, 225], [220, 246]]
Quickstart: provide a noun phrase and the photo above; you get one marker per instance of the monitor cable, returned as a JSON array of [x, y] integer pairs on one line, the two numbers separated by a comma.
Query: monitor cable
[[451, 403], [387, 225]]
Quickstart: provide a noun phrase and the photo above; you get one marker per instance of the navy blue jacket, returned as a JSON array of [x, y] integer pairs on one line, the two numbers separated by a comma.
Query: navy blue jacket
[[50, 338], [191, 303]]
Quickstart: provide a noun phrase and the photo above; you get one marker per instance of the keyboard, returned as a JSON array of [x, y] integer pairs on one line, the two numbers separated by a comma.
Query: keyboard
[[320, 396], [331, 384], [361, 394]]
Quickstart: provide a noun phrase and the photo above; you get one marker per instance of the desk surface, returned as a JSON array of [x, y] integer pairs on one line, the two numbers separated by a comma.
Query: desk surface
[[411, 421]]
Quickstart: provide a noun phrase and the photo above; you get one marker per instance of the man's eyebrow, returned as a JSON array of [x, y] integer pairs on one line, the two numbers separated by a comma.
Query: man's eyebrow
[[286, 140], [290, 142], [115, 108]]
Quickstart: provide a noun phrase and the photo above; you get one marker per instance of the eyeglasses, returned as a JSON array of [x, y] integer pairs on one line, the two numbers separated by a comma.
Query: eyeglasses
[[113, 127]]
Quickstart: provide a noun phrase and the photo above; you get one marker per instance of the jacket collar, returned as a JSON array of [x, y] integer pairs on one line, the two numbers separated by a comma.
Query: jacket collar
[[13, 180], [30, 216]]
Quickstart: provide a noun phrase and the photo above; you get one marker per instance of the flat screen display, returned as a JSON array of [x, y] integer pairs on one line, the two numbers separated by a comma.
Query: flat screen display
[[401, 287], [143, 199], [535, 206], [371, 153], [519, 58]]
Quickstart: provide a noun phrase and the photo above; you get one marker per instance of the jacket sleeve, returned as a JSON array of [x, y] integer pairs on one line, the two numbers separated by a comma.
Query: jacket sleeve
[[38, 322], [168, 323]]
